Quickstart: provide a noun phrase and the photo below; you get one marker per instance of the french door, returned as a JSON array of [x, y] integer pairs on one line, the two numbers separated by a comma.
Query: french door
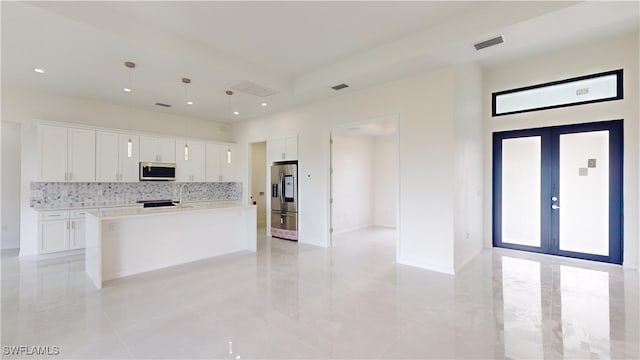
[[558, 190]]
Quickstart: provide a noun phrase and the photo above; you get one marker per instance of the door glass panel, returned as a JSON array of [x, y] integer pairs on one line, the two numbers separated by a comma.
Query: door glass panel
[[521, 191], [584, 192]]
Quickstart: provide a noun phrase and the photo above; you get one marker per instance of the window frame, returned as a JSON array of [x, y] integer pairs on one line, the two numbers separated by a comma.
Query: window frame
[[619, 92]]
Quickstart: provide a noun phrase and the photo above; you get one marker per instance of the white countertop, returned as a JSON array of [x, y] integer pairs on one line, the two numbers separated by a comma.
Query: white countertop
[[168, 210], [92, 207]]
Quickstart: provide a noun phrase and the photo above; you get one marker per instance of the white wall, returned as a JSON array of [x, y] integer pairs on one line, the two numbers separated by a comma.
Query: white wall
[[597, 56], [23, 106], [468, 227], [259, 179], [425, 108], [10, 185], [385, 181], [352, 186]]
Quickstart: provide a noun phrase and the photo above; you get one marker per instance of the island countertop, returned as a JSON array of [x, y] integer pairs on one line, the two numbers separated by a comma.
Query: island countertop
[[111, 214], [123, 242]]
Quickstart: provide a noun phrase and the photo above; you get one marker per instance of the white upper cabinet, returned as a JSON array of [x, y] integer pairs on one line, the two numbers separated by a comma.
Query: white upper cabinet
[[190, 160], [283, 149], [74, 154], [53, 153], [213, 163], [107, 157], [116, 157], [67, 154], [157, 149], [220, 163]]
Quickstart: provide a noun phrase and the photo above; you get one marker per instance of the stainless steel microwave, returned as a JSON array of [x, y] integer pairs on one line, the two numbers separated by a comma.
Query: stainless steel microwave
[[152, 171]]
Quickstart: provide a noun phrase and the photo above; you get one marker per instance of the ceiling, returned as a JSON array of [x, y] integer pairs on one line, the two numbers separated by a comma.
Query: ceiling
[[297, 49]]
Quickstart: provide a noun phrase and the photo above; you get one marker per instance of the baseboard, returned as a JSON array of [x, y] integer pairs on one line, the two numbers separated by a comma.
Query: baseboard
[[431, 267], [385, 226], [351, 229], [458, 267]]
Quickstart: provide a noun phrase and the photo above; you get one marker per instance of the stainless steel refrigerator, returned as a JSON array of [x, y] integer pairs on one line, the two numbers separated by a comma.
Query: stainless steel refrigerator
[[284, 200]]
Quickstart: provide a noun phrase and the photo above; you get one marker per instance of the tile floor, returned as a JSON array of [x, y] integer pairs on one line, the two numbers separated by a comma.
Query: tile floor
[[291, 301]]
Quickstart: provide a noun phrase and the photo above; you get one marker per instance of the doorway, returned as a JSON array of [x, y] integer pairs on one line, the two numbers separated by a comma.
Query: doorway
[[259, 181], [364, 183], [558, 190]]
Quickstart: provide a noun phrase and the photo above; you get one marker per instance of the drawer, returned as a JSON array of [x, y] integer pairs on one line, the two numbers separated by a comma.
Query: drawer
[[80, 213], [54, 215]]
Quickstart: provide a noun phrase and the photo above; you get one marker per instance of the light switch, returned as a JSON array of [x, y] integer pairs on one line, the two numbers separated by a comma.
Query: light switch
[[591, 163], [583, 171]]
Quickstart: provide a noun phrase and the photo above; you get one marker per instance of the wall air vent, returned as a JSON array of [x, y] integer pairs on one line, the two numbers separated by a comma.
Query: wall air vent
[[163, 105], [253, 89], [339, 87], [491, 42]]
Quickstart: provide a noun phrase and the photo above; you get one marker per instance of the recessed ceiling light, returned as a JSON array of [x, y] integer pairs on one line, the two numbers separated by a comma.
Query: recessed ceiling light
[[236, 113], [39, 71], [126, 90], [189, 102], [264, 104]]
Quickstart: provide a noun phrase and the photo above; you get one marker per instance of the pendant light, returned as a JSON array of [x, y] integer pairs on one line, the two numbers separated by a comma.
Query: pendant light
[[229, 93], [129, 65], [186, 82]]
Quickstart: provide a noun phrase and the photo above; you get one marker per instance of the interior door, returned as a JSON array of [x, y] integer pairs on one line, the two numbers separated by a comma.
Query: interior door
[[558, 190]]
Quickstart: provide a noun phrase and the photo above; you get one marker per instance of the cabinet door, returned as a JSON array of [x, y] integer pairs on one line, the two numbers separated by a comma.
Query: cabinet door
[[167, 150], [291, 147], [183, 160], [106, 157], [197, 158], [149, 149], [54, 236], [277, 151], [128, 157], [212, 167], [53, 153], [81, 155], [227, 153], [77, 234]]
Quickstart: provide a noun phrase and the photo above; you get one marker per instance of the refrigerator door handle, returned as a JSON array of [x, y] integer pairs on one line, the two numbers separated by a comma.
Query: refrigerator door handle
[[274, 190], [281, 189]]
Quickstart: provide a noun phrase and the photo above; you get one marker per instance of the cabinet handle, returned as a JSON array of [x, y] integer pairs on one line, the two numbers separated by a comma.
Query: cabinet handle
[[283, 156], [70, 177], [73, 225], [66, 176], [56, 215]]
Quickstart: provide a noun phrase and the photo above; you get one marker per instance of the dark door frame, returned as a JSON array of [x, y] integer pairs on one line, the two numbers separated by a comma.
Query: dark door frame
[[550, 171]]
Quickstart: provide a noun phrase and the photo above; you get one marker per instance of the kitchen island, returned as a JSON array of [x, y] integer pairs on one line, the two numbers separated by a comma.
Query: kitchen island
[[130, 241]]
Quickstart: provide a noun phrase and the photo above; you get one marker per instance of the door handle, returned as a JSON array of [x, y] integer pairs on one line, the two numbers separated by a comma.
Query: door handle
[[555, 207]]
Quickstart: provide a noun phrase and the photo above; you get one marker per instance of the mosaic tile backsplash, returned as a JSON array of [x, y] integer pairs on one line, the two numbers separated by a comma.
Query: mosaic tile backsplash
[[59, 195]]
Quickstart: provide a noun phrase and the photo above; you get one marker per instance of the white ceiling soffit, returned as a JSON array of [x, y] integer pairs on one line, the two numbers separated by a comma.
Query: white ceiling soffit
[[298, 49]]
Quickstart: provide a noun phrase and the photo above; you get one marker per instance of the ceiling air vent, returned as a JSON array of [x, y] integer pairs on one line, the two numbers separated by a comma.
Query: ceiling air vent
[[163, 105], [340, 87], [491, 42], [253, 89]]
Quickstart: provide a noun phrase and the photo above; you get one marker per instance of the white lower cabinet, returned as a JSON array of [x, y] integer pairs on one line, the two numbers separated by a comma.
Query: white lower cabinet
[[54, 236], [61, 230]]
